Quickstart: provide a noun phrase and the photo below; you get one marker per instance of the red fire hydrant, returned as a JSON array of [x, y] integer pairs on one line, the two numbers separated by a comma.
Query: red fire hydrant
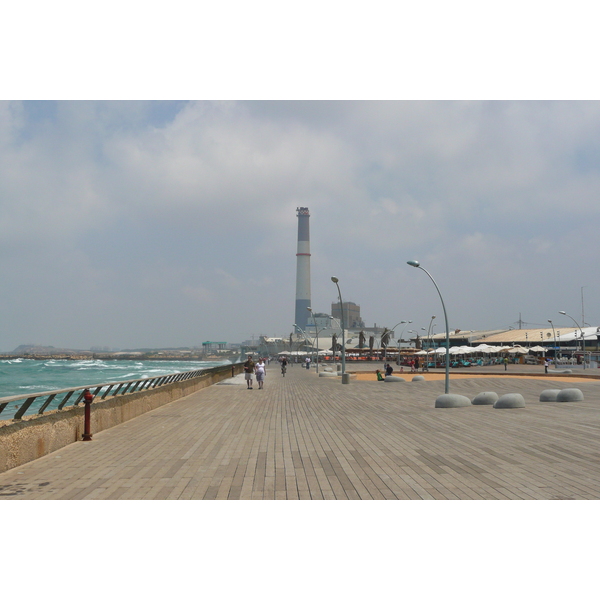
[[87, 400]]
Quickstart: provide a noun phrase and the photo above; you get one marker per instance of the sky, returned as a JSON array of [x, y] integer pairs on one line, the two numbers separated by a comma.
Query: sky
[[170, 223], [149, 181]]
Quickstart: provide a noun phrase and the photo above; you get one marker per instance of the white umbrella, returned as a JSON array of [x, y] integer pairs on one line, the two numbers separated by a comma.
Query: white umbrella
[[421, 353], [485, 348], [537, 349], [518, 350], [464, 350]]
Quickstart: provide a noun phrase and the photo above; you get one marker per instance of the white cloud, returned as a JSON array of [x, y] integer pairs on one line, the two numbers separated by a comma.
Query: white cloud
[[189, 205]]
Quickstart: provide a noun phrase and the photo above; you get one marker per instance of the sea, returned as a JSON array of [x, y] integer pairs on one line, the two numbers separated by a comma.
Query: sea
[[25, 376]]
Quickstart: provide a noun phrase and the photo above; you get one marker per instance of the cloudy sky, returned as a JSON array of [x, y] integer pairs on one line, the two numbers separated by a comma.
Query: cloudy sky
[[166, 223], [128, 221]]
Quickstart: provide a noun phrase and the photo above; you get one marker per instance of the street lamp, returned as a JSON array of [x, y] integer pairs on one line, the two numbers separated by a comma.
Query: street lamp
[[336, 280], [338, 322], [400, 338], [306, 341], [555, 348], [429, 342], [400, 342], [562, 312], [309, 309], [416, 264]]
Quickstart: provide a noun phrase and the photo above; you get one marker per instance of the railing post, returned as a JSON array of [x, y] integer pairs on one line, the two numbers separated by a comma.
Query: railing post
[[87, 400]]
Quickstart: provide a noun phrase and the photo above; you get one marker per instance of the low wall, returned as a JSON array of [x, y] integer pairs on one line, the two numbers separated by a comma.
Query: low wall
[[38, 435]]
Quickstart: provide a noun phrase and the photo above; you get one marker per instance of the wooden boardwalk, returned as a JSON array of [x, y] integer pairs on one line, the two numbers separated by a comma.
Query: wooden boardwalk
[[305, 437]]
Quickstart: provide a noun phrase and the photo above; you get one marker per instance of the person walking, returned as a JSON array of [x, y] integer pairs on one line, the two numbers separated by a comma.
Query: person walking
[[546, 364], [248, 371], [505, 361], [260, 370]]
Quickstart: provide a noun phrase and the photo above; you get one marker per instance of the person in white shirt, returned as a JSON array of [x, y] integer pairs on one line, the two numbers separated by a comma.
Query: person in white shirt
[[260, 371]]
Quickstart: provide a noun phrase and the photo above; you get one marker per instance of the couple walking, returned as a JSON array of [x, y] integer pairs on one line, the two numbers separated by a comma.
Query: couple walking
[[259, 369]]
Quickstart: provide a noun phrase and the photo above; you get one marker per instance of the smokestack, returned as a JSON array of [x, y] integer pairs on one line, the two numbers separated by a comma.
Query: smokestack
[[303, 268]]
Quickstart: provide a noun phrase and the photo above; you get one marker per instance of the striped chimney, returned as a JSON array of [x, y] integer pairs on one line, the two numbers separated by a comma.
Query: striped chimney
[[303, 268]]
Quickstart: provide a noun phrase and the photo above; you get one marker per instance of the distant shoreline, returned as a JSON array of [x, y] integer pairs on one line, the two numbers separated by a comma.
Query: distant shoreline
[[166, 356]]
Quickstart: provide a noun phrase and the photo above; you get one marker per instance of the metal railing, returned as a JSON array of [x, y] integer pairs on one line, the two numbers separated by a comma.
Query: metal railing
[[59, 399]]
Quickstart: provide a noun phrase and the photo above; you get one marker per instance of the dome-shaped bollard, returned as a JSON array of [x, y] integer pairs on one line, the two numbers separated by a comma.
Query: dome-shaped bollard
[[485, 398], [451, 401], [549, 396], [570, 395], [418, 378], [393, 378], [327, 374], [510, 401]]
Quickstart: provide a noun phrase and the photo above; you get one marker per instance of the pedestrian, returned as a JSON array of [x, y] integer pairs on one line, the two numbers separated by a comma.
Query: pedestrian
[[546, 365], [260, 370], [388, 370], [248, 370], [379, 375], [505, 361], [307, 363]]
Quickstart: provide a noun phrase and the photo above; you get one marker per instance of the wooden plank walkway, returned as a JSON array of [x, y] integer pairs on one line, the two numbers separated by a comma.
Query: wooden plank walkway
[[305, 437]]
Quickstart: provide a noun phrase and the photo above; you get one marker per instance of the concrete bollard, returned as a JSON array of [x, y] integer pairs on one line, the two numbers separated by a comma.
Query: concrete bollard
[[570, 395], [549, 396], [510, 401], [345, 377], [485, 398], [451, 401]]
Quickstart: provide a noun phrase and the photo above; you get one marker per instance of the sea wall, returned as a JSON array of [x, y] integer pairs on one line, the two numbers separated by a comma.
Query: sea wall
[[38, 435]]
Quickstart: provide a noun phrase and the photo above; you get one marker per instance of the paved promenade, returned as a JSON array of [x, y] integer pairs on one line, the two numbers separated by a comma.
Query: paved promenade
[[305, 437]]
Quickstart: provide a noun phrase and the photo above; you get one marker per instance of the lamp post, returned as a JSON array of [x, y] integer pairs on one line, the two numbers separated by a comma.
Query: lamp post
[[400, 342], [338, 322], [400, 338], [555, 348], [432, 343], [336, 280], [416, 264], [309, 309], [306, 341], [429, 341], [562, 312]]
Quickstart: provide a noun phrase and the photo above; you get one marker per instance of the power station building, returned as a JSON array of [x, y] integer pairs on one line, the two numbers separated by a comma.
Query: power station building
[[352, 318]]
